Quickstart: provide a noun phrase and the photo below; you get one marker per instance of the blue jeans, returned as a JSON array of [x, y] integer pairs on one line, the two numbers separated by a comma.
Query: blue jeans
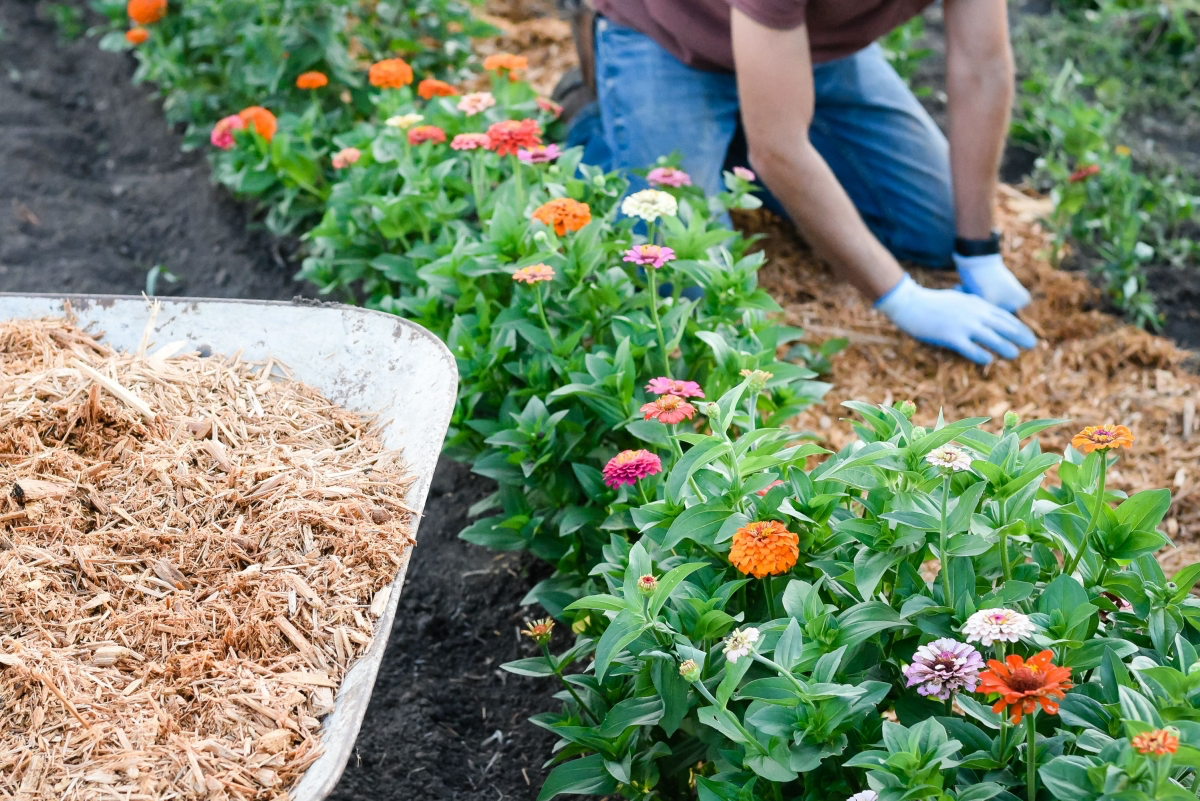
[[883, 147]]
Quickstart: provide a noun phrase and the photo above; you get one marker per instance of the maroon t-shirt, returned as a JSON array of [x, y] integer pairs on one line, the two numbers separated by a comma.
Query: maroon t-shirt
[[697, 31]]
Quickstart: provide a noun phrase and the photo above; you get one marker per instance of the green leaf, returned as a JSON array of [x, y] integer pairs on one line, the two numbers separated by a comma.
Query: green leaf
[[699, 523], [586, 776], [668, 583], [1145, 510], [959, 518], [734, 671], [603, 603], [536, 667], [631, 712], [790, 648], [1067, 777], [1135, 706], [623, 630], [696, 457]]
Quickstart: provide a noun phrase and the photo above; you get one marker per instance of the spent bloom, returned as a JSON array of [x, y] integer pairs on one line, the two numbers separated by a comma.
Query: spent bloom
[[508, 137], [534, 274], [764, 548], [539, 630], [949, 459], [539, 154], [669, 410], [222, 132], [748, 175], [470, 141], [1023, 686], [1083, 173], [261, 120], [550, 107], [391, 73], [403, 121], [311, 80], [476, 102], [432, 87], [146, 12], [563, 214], [506, 62], [673, 386], [1159, 742], [944, 667], [997, 625], [630, 467], [426, 133], [345, 157], [1102, 438], [136, 36], [647, 585], [739, 643], [668, 176], [689, 670], [650, 204], [649, 255]]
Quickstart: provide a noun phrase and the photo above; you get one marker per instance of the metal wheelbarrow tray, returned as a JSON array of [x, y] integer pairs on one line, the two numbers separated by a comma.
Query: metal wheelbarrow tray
[[368, 362]]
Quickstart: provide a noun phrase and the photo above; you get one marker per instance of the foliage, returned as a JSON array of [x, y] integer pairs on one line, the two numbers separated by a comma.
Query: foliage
[[904, 48]]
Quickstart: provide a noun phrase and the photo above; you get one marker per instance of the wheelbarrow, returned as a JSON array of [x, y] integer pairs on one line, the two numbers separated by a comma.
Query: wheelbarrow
[[366, 361]]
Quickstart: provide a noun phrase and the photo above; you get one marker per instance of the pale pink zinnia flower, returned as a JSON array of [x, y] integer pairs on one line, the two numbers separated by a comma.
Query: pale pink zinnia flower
[[533, 274], [944, 667], [744, 174], [668, 176], [345, 157], [222, 132], [673, 386], [476, 102], [997, 625], [649, 255], [471, 141], [629, 467], [538, 154], [669, 409]]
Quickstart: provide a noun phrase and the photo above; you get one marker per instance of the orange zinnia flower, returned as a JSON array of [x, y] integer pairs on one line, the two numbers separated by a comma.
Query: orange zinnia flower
[[1023, 685], [261, 120], [426, 133], [146, 12], [391, 73], [765, 548], [1102, 438], [432, 87], [500, 62], [312, 80], [563, 214], [137, 36], [508, 137], [1159, 742], [1083, 173]]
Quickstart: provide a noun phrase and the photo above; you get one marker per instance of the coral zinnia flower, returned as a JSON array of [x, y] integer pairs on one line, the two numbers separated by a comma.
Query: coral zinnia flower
[[563, 214], [668, 409], [1083, 173], [432, 87], [1159, 742], [501, 62], [391, 73], [649, 255], [261, 120], [668, 176], [510, 136], [345, 157], [136, 36], [475, 102], [539, 630], [311, 80], [426, 133], [222, 132], [534, 274], [630, 467], [673, 386], [765, 548], [550, 107], [538, 154], [1102, 438], [1022, 685], [470, 141], [146, 12]]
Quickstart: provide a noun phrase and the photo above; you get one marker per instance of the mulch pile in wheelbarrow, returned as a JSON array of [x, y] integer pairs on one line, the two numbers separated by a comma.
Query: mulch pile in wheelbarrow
[[192, 553]]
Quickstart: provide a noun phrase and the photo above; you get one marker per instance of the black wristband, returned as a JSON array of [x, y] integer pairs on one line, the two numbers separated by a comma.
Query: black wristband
[[978, 247]]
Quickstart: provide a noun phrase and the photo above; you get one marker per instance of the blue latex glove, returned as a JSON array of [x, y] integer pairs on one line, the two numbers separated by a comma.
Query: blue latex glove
[[955, 320], [987, 277]]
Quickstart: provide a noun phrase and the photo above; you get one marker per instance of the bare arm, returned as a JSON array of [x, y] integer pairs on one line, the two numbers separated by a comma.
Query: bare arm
[[776, 112], [979, 88]]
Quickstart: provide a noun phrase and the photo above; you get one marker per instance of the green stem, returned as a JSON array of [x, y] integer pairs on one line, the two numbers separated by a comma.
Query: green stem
[[537, 293], [558, 672], [520, 185], [753, 403], [1005, 564], [1031, 755], [477, 182], [769, 588], [651, 281], [1096, 509], [944, 572]]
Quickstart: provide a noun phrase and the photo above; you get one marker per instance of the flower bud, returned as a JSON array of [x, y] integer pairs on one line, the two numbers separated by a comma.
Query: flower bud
[[907, 408], [647, 585], [1011, 419], [758, 379], [541, 238], [598, 181], [580, 626], [690, 671], [712, 410], [918, 432]]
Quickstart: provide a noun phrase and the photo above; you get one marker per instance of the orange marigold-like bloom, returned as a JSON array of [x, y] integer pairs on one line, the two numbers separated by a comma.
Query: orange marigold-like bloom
[[432, 87], [533, 274], [261, 119], [137, 36], [1022, 685], [563, 214], [426, 133], [1102, 438], [312, 80], [391, 73], [765, 548], [1159, 742], [146, 12], [669, 409], [508, 137], [539, 631], [506, 62]]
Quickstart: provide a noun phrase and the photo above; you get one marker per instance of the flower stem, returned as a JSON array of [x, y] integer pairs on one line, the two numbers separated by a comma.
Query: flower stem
[[944, 572], [1096, 509], [558, 672], [662, 342], [541, 307], [1005, 564], [477, 182], [769, 588], [520, 186], [1031, 755], [753, 409]]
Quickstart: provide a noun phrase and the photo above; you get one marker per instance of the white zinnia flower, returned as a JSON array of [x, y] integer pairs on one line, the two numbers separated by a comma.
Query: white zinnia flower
[[740, 643], [865, 795], [404, 121], [997, 625], [949, 457], [650, 204]]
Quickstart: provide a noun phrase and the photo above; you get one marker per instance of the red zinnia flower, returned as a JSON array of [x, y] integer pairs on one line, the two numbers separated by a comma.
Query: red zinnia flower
[[669, 409], [629, 467], [1022, 685], [508, 137]]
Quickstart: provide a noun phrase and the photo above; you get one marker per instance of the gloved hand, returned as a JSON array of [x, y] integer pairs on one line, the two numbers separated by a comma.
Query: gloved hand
[[987, 277], [955, 320]]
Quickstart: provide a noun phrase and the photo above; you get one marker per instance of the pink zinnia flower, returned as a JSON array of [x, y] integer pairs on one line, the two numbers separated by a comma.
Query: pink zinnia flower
[[673, 386], [762, 493], [744, 174], [629, 467], [222, 132], [653, 255], [669, 409], [426, 133], [550, 107], [345, 157], [668, 176], [538, 154], [471, 141], [475, 102], [533, 274]]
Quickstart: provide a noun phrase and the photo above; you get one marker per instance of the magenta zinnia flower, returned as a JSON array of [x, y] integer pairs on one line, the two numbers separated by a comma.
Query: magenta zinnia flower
[[668, 176], [649, 255], [744, 174], [222, 132], [538, 154], [673, 386], [629, 467], [944, 667]]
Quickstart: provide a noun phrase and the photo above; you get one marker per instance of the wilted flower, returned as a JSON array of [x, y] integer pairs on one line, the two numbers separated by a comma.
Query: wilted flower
[[137, 36], [534, 274], [673, 386], [758, 379], [311, 80], [650, 204], [764, 548], [689, 670], [647, 585], [949, 459], [539, 630], [146, 12], [426, 133], [997, 625], [944, 667], [739, 643], [470, 141], [506, 62], [668, 409], [403, 121], [550, 107], [508, 137], [1022, 685], [563, 214], [762, 493], [538, 154], [476, 102], [345, 157], [630, 467], [1083, 173], [1159, 742], [261, 120], [668, 176], [430, 88], [391, 73], [222, 132], [1102, 438], [747, 175], [649, 255]]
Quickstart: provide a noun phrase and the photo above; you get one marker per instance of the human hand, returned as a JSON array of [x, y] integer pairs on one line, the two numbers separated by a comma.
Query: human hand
[[955, 320], [987, 277]]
